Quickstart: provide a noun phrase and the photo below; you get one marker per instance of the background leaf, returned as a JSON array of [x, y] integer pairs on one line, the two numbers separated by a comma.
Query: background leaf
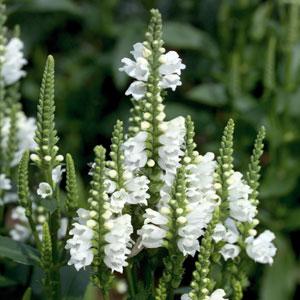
[[18, 252]]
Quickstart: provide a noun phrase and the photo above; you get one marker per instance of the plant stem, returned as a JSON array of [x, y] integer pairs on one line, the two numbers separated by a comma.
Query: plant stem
[[130, 281]]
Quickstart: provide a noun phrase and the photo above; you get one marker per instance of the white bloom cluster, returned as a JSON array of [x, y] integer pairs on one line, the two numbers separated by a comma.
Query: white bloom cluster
[[20, 232], [135, 152], [261, 249], [25, 135], [169, 70], [80, 245], [119, 242], [135, 191], [218, 294], [170, 153], [154, 229], [241, 208], [13, 61], [228, 234], [202, 199]]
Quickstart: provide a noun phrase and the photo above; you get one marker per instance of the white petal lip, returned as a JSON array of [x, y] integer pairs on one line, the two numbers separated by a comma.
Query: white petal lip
[[137, 89]]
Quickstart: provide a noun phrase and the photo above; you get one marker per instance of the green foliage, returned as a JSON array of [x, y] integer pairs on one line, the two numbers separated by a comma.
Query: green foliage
[[18, 252]]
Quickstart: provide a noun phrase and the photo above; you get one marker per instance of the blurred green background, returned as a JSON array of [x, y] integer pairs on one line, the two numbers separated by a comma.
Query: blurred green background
[[243, 61]]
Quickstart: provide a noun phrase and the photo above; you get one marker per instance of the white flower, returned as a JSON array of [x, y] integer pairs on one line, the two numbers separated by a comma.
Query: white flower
[[118, 243], [21, 231], [172, 64], [57, 174], [135, 152], [25, 135], [154, 229], [196, 221], [80, 245], [118, 200], [240, 206], [62, 231], [5, 183], [200, 180], [170, 153], [137, 89], [218, 294], [44, 190], [137, 188], [185, 297], [261, 249], [169, 70], [170, 81], [232, 233], [110, 186], [219, 233], [154, 217], [9, 197], [152, 235], [242, 210], [230, 251], [13, 61], [139, 68]]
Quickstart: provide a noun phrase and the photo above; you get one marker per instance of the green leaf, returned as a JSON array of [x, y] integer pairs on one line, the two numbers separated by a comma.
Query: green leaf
[[18, 252], [27, 294], [279, 281], [185, 36], [260, 20], [73, 283], [90, 292], [53, 5], [292, 221], [5, 282], [212, 94]]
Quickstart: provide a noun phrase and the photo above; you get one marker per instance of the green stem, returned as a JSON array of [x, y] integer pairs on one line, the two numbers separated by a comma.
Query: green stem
[[131, 284]]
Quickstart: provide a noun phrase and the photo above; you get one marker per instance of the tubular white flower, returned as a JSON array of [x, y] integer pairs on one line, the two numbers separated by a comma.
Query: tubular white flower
[[230, 251], [21, 231], [25, 135], [139, 68], [44, 190], [240, 206], [14, 61], [170, 153], [169, 70], [57, 174], [219, 233], [119, 243], [80, 245], [118, 200], [218, 294], [5, 183], [154, 229], [62, 231], [135, 152], [172, 64], [137, 90], [197, 220], [170, 81], [261, 249], [137, 188]]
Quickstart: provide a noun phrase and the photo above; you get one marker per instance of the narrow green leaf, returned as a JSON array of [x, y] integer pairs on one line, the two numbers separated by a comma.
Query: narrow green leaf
[[212, 94], [27, 294], [18, 252]]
